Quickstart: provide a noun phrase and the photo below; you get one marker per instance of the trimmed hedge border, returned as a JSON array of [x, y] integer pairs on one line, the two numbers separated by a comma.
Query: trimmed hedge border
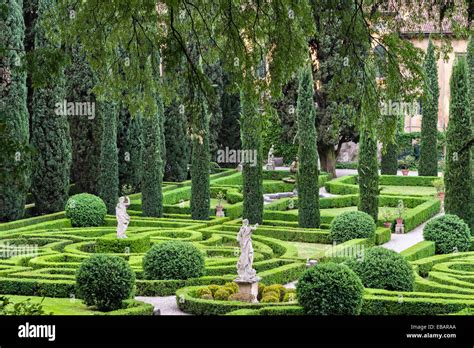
[[419, 251]]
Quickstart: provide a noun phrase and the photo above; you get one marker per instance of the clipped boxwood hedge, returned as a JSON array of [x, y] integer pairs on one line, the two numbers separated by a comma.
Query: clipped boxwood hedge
[[131, 244]]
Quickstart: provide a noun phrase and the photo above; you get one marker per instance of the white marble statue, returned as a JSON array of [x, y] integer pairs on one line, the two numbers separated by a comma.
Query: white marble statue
[[244, 265], [271, 159], [123, 219]]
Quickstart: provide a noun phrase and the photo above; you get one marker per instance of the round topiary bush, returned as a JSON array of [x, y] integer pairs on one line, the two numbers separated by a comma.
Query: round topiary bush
[[449, 232], [222, 295], [352, 225], [382, 268], [330, 289], [104, 281], [85, 210], [173, 260]]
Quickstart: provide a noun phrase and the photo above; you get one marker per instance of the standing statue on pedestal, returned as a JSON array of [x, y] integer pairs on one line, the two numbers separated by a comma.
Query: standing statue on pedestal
[[294, 166], [244, 265], [271, 159], [123, 219]]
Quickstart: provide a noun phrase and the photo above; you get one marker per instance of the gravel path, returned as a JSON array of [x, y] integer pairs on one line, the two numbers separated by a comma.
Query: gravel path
[[167, 305]]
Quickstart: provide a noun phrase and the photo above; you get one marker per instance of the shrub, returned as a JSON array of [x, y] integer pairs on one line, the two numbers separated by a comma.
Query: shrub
[[352, 225], [203, 291], [271, 297], [207, 297], [213, 288], [384, 269], [242, 297], [261, 287], [104, 281], [330, 289], [232, 287], [449, 232], [85, 210], [173, 260], [276, 288], [222, 295], [290, 295]]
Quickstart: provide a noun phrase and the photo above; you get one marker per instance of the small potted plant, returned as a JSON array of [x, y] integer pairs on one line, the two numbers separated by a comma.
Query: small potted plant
[[219, 207], [387, 218], [439, 186], [400, 211], [405, 163]]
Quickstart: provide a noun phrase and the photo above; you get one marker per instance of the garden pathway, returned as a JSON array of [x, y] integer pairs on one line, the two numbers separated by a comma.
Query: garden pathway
[[167, 304]]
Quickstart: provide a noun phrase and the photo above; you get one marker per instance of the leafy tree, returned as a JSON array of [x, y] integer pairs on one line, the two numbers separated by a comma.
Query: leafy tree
[[470, 63], [50, 180], [109, 178], [458, 179], [14, 125], [389, 163], [251, 128], [428, 165], [368, 164], [308, 190]]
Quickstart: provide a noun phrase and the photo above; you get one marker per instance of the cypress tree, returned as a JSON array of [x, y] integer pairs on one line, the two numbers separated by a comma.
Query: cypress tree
[[130, 148], [368, 164], [458, 179], [177, 144], [109, 180], [308, 190], [389, 163], [214, 72], [86, 132], [251, 130], [51, 139], [470, 63], [428, 165], [152, 169], [200, 191], [14, 123]]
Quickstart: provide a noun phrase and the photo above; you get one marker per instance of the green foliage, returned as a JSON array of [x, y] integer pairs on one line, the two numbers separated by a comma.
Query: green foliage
[[419, 251], [85, 131], [130, 147], [152, 169], [251, 129], [330, 289], [278, 289], [14, 124], [458, 178], [450, 234], [173, 260], [50, 134], [109, 176], [428, 165], [104, 281], [177, 142], [389, 164], [200, 193], [271, 297], [308, 190], [352, 225], [470, 65], [131, 244], [26, 307], [222, 294], [382, 268], [85, 210]]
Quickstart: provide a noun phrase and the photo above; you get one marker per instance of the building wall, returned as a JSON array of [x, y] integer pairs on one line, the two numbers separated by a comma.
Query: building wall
[[445, 66]]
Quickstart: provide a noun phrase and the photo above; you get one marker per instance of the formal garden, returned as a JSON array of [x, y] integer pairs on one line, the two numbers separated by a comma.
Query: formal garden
[[146, 172]]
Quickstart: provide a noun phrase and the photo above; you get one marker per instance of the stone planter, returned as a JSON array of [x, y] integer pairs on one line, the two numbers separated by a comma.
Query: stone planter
[[387, 224], [220, 211], [399, 221], [441, 196], [405, 172]]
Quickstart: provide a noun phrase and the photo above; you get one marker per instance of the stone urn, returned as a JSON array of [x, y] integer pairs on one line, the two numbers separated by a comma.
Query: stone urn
[[405, 172], [387, 224], [220, 211], [441, 196], [399, 221]]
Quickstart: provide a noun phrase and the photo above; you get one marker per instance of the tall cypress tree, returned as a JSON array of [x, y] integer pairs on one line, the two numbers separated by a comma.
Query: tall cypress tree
[[389, 163], [14, 124], [51, 139], [428, 165], [458, 179], [109, 179], [86, 132], [251, 130], [177, 143], [200, 191], [470, 64], [308, 190], [368, 164]]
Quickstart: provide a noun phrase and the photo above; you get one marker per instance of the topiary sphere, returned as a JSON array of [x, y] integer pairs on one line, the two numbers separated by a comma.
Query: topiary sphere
[[449, 232], [104, 281], [352, 225], [382, 268], [330, 289], [173, 260], [85, 210]]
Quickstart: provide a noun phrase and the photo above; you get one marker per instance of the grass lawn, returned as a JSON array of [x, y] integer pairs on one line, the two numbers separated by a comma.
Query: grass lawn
[[306, 250], [58, 306], [408, 190]]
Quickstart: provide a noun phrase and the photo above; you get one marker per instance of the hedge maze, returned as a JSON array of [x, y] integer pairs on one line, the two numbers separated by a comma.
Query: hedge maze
[[53, 250]]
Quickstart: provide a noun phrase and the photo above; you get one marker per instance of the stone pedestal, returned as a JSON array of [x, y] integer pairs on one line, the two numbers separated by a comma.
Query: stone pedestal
[[399, 228], [248, 288]]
